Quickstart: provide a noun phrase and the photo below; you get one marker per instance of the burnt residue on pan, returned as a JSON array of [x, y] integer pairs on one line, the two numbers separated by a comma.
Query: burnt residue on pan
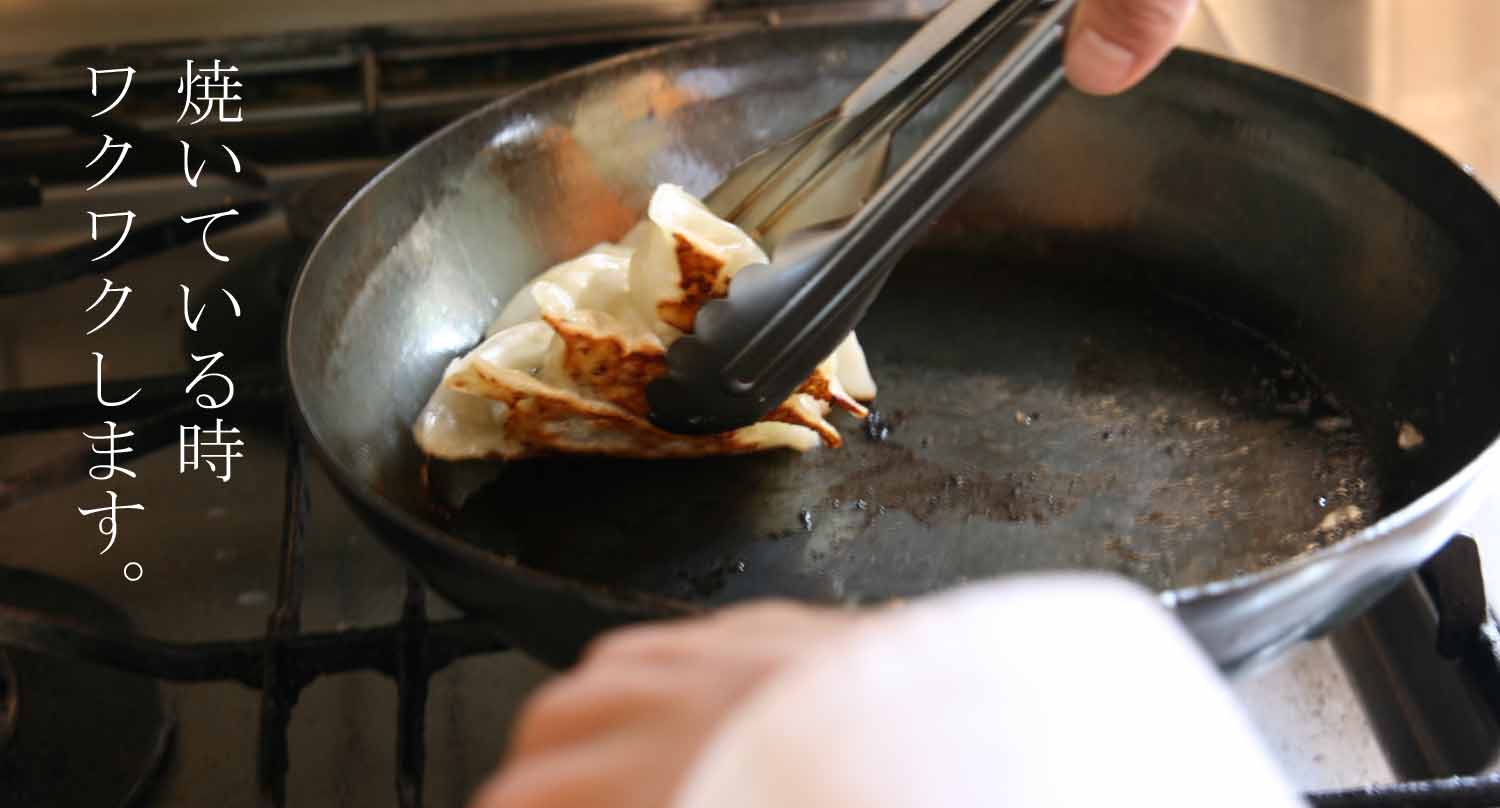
[[1151, 440], [899, 478]]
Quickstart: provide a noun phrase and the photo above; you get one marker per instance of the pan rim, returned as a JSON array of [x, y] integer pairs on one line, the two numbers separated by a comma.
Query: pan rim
[[1389, 528]]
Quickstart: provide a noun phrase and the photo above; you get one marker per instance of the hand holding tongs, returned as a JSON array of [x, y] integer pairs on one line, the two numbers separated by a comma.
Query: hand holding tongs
[[754, 347]]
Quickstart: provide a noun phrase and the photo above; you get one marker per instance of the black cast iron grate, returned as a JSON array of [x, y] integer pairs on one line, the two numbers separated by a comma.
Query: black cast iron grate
[[285, 660]]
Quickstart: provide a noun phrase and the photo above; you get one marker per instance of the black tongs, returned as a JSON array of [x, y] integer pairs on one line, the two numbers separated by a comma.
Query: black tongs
[[830, 254]]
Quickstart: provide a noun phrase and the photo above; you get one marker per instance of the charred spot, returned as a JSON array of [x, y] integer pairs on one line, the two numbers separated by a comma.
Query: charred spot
[[899, 479], [700, 276], [607, 368]]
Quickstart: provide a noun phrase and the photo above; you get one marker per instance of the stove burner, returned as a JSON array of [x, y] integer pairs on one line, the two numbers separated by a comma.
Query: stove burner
[[74, 733]]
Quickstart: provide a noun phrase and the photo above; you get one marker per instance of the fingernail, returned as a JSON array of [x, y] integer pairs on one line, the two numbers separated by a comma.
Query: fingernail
[[1099, 65]]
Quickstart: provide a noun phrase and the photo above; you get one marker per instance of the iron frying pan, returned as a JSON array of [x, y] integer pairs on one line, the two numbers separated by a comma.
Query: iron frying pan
[[1176, 334]]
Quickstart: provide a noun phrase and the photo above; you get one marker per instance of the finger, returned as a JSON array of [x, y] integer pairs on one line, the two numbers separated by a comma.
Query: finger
[[609, 770], [1112, 44], [581, 706], [776, 615], [631, 674], [767, 631], [776, 632], [661, 642]]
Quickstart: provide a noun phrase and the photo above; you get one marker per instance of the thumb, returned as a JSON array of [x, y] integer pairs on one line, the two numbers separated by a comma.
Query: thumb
[[1112, 44]]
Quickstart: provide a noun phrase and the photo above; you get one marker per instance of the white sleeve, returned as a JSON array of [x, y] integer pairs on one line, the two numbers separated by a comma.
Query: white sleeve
[[1039, 691]]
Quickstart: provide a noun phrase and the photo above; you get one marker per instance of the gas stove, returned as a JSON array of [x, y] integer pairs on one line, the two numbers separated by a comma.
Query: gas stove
[[268, 650]]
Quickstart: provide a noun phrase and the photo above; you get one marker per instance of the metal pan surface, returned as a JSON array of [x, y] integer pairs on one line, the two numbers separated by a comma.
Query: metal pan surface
[[1183, 334]]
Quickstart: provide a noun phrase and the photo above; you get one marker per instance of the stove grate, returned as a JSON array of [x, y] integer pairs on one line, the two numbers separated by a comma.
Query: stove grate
[[285, 660]]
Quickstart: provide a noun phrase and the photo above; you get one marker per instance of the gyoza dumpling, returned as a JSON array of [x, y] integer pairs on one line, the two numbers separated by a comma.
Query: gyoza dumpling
[[564, 368], [686, 260]]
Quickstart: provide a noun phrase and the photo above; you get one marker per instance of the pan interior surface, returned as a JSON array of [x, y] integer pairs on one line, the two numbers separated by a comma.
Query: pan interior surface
[[1031, 416], [1053, 393]]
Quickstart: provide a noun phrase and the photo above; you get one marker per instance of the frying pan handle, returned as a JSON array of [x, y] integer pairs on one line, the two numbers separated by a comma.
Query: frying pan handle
[[1243, 621], [1239, 623]]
